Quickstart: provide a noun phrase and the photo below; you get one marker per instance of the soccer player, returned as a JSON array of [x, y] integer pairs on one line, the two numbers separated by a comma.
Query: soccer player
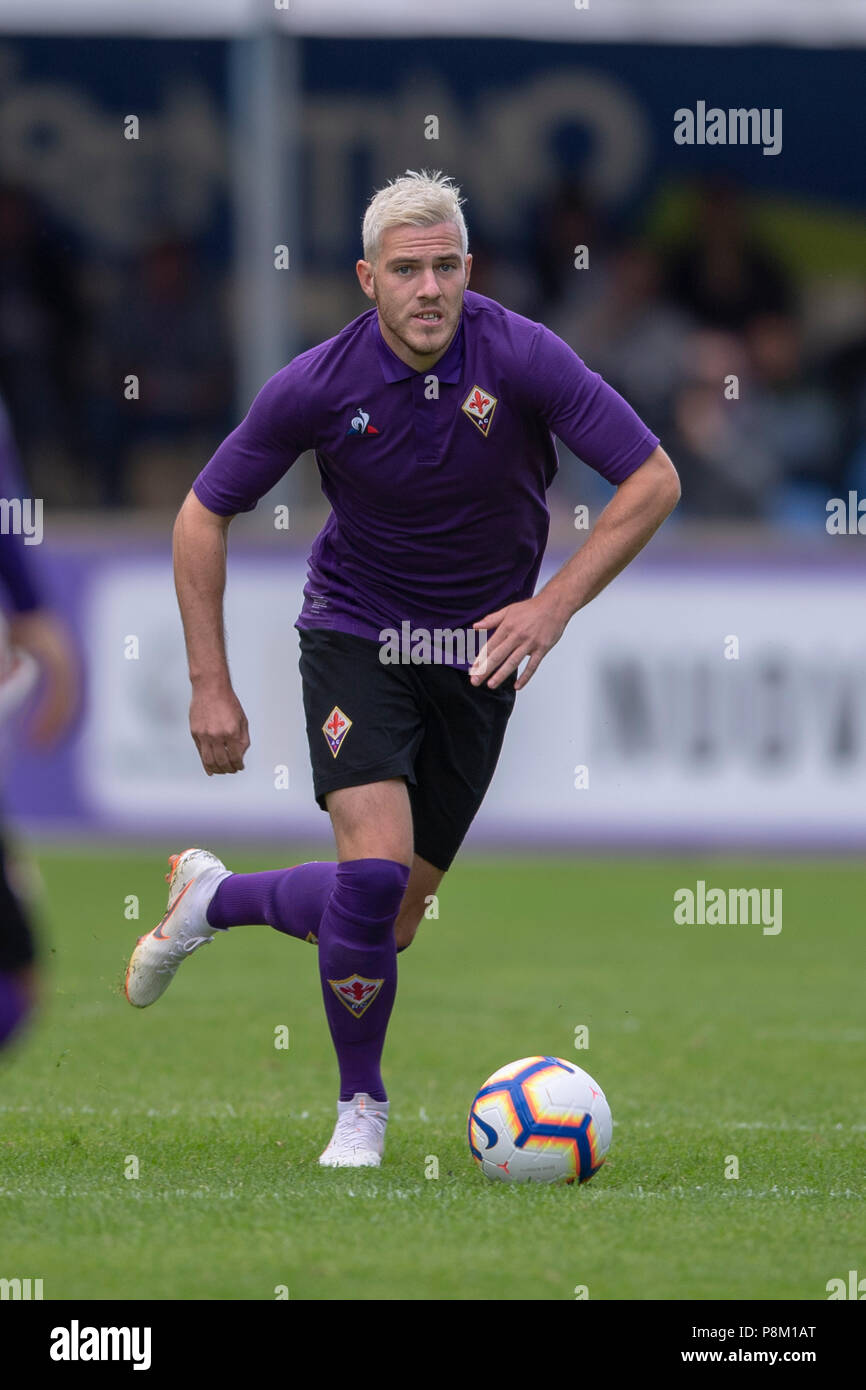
[[432, 417], [34, 630]]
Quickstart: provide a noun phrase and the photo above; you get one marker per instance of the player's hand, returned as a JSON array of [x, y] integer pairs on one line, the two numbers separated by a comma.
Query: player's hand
[[523, 629], [47, 639], [219, 728]]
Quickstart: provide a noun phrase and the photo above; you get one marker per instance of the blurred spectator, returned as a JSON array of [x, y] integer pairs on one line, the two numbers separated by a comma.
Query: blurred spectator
[[498, 274], [563, 221], [793, 415], [632, 335], [42, 327], [728, 469], [845, 376], [722, 276], [169, 331]]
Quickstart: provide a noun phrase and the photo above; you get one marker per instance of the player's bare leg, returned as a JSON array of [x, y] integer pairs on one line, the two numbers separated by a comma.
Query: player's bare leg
[[292, 900], [424, 881], [372, 822]]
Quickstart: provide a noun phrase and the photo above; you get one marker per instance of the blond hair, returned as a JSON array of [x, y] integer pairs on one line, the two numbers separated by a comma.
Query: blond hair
[[415, 199]]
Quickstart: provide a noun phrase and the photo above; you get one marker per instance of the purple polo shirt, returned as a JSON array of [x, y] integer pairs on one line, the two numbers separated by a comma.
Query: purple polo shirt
[[436, 479]]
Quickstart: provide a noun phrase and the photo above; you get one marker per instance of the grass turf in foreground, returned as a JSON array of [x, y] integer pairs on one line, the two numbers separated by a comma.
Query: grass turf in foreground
[[709, 1042]]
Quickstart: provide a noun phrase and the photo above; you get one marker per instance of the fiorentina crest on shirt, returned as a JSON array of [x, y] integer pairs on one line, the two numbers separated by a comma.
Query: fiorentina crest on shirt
[[479, 406], [335, 728], [356, 992]]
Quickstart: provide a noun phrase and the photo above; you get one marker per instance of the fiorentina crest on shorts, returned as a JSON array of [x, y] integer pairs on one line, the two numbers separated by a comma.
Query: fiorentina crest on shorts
[[479, 406], [356, 992], [335, 728]]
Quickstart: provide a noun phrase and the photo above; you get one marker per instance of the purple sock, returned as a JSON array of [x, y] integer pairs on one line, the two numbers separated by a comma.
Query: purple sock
[[291, 900], [14, 1005], [358, 967]]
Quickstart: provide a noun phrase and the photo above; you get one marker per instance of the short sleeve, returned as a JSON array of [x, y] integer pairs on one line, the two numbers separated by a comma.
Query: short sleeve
[[253, 458], [585, 412]]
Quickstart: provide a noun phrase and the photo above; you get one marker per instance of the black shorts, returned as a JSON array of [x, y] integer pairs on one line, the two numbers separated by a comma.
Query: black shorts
[[16, 939], [426, 723]]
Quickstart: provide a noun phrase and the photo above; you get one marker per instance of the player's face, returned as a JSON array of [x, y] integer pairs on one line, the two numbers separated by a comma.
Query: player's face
[[417, 284]]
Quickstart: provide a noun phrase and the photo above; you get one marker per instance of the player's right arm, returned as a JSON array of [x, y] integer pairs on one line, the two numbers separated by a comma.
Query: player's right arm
[[248, 463], [216, 719]]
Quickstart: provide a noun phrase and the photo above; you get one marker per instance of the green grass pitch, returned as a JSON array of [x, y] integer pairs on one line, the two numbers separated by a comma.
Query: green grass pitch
[[709, 1041]]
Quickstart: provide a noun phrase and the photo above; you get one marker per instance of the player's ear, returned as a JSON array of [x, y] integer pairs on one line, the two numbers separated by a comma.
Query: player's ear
[[468, 263], [364, 271]]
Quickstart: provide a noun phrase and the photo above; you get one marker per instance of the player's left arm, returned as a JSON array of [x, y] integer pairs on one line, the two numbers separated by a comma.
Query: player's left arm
[[529, 629]]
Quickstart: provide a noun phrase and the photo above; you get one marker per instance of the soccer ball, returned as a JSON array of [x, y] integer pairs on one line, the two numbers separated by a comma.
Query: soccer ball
[[540, 1120]]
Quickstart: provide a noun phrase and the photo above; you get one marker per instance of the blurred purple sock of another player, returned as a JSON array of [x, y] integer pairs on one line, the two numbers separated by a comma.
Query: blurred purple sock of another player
[[14, 1005]]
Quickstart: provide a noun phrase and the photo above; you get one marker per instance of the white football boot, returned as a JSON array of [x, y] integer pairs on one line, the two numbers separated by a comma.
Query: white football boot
[[193, 879], [358, 1140]]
